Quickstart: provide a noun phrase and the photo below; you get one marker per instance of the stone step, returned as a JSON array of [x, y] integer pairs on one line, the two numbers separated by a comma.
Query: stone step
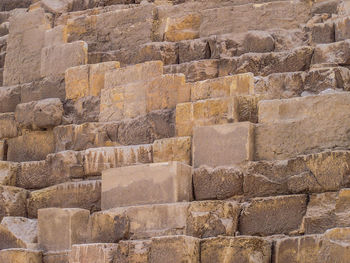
[[337, 53], [146, 184], [21, 255], [13, 201]]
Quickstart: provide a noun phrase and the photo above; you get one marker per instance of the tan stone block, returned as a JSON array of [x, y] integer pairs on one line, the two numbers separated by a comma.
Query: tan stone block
[[59, 229], [146, 184], [84, 194], [335, 246], [8, 125], [99, 159], [235, 249], [133, 251], [204, 113], [33, 146], [271, 215], [23, 229], [55, 36], [182, 28], [8, 173], [221, 149], [33, 175], [56, 256], [9, 98], [12, 201], [93, 253], [172, 149], [3, 150], [56, 59], [20, 256], [241, 84], [175, 249]]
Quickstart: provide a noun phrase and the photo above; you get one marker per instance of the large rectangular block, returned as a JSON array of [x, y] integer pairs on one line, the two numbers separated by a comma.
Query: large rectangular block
[[12, 201], [32, 146], [59, 229], [8, 125], [20, 256], [241, 84], [146, 184], [93, 253], [8, 173], [56, 59], [288, 126], [9, 98], [173, 149], [223, 144], [337, 52], [87, 80], [25, 42]]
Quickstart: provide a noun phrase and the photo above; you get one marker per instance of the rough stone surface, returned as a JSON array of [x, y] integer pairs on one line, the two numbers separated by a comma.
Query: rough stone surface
[[8, 125], [13, 201], [9, 98], [20, 256], [93, 253], [166, 182], [8, 173]]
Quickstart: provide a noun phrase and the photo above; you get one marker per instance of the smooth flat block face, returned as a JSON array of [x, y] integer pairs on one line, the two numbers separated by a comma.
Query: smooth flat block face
[[146, 184], [93, 253], [222, 144]]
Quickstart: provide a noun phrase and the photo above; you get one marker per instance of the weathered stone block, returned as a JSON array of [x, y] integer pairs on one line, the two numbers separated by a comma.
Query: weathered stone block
[[55, 36], [190, 50], [175, 249], [235, 249], [271, 215], [9, 98], [241, 84], [322, 33], [338, 53], [172, 149], [59, 229], [133, 251], [33, 146], [8, 126], [93, 253], [56, 256], [99, 159], [3, 150], [87, 80], [13, 201], [56, 59], [221, 149], [26, 40], [20, 256], [182, 28], [33, 175], [127, 186], [342, 31], [218, 183], [85, 195], [8, 173]]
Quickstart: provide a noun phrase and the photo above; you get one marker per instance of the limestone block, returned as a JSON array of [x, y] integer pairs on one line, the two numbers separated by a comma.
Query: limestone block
[[8, 5], [217, 183], [338, 53], [239, 249], [271, 215], [9, 98], [175, 249], [222, 149], [93, 253], [322, 33], [146, 184], [133, 251], [164, 51], [59, 229], [241, 84], [139, 98], [84, 194], [56, 256], [172, 149], [194, 49], [55, 36], [8, 126], [13, 201], [20, 256], [26, 40], [336, 245], [99, 159], [311, 117], [342, 31], [204, 113], [33, 146], [8, 173], [21, 230], [182, 28], [87, 80], [195, 70], [56, 59], [33, 175], [3, 150]]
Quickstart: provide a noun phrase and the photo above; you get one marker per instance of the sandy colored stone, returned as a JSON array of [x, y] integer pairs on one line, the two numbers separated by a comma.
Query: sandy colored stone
[[3, 150], [87, 80], [33, 146], [271, 215], [23, 228], [136, 251], [56, 35], [175, 249], [9, 98], [126, 186], [57, 58], [99, 159], [8, 125], [56, 256], [172, 149], [13, 201], [33, 175], [337, 52], [84, 194], [8, 173], [218, 183], [20, 256], [93, 253], [221, 149], [235, 249], [59, 229], [182, 28]]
